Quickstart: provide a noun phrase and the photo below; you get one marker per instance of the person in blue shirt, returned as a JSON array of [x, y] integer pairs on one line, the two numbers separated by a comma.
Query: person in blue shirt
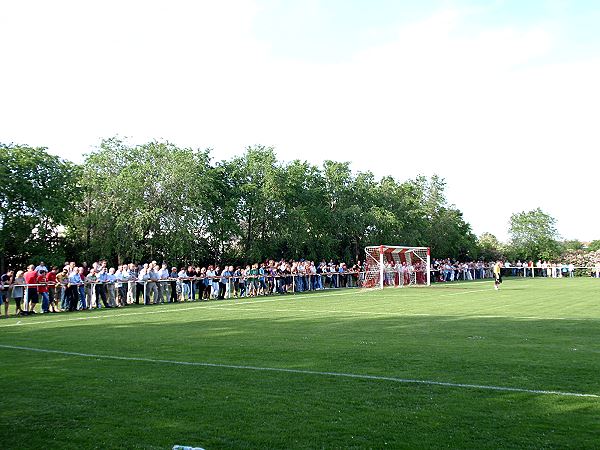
[[102, 281], [75, 290], [223, 280]]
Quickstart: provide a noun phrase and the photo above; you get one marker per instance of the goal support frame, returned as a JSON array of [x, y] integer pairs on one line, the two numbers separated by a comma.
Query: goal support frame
[[397, 249]]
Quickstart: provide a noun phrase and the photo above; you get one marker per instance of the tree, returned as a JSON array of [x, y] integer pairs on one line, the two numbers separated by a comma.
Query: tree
[[150, 201], [253, 183], [437, 224], [36, 198], [490, 248], [304, 227], [594, 245], [573, 244], [159, 201], [534, 235]]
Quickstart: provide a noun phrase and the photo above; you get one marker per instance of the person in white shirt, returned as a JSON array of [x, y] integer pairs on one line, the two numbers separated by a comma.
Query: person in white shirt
[[143, 278], [121, 285], [111, 287], [163, 285], [151, 287], [210, 274], [183, 285]]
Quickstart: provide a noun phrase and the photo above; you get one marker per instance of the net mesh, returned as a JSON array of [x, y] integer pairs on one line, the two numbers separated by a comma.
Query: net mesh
[[402, 266]]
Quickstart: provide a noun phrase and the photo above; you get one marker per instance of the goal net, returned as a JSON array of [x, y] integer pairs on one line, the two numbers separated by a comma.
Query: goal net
[[390, 265]]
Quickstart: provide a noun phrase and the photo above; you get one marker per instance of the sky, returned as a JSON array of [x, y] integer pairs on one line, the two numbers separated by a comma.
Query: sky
[[500, 98]]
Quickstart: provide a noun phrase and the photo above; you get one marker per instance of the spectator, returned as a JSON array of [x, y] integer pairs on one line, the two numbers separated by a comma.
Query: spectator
[[183, 284], [151, 286], [52, 297], [62, 280], [163, 284], [111, 287], [18, 291], [142, 278], [173, 285], [6, 281], [90, 289], [42, 288], [131, 275], [31, 278], [571, 270]]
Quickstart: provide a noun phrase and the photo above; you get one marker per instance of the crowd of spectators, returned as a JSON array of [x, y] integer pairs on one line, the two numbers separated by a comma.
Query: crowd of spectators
[[450, 270], [82, 287]]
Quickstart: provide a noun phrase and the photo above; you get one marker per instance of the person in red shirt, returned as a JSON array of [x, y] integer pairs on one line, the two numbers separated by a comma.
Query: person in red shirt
[[51, 278], [31, 278]]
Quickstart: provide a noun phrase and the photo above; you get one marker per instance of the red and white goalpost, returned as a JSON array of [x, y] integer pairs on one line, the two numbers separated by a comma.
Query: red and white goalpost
[[392, 265]]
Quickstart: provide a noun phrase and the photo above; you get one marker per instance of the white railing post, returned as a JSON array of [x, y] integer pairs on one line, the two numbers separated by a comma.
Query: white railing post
[[381, 267], [428, 267]]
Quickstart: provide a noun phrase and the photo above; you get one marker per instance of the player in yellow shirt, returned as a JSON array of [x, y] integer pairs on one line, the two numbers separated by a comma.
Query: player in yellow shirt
[[497, 275]]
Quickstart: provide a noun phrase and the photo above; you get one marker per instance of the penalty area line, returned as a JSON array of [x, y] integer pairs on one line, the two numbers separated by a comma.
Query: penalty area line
[[306, 372]]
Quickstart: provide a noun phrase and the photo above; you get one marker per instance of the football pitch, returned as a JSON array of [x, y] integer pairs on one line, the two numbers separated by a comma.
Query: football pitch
[[454, 365]]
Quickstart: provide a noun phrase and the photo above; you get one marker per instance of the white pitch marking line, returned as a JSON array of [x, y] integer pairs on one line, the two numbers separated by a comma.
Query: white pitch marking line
[[164, 311], [306, 372]]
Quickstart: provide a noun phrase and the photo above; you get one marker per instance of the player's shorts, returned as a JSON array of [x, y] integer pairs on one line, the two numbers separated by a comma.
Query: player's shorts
[[499, 279]]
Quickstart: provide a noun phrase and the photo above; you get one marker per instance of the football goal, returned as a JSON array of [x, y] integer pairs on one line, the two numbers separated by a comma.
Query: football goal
[[393, 265]]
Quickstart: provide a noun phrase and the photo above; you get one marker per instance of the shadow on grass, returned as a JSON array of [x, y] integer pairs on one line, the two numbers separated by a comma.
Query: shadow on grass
[[66, 401], [81, 402]]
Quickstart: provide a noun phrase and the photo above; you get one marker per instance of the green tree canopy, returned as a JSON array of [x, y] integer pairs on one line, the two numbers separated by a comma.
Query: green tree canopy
[[534, 235], [572, 244], [159, 201], [146, 201], [37, 196], [594, 245], [490, 248]]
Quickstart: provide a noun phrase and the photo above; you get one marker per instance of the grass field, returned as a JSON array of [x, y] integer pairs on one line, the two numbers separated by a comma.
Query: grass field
[[453, 366]]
